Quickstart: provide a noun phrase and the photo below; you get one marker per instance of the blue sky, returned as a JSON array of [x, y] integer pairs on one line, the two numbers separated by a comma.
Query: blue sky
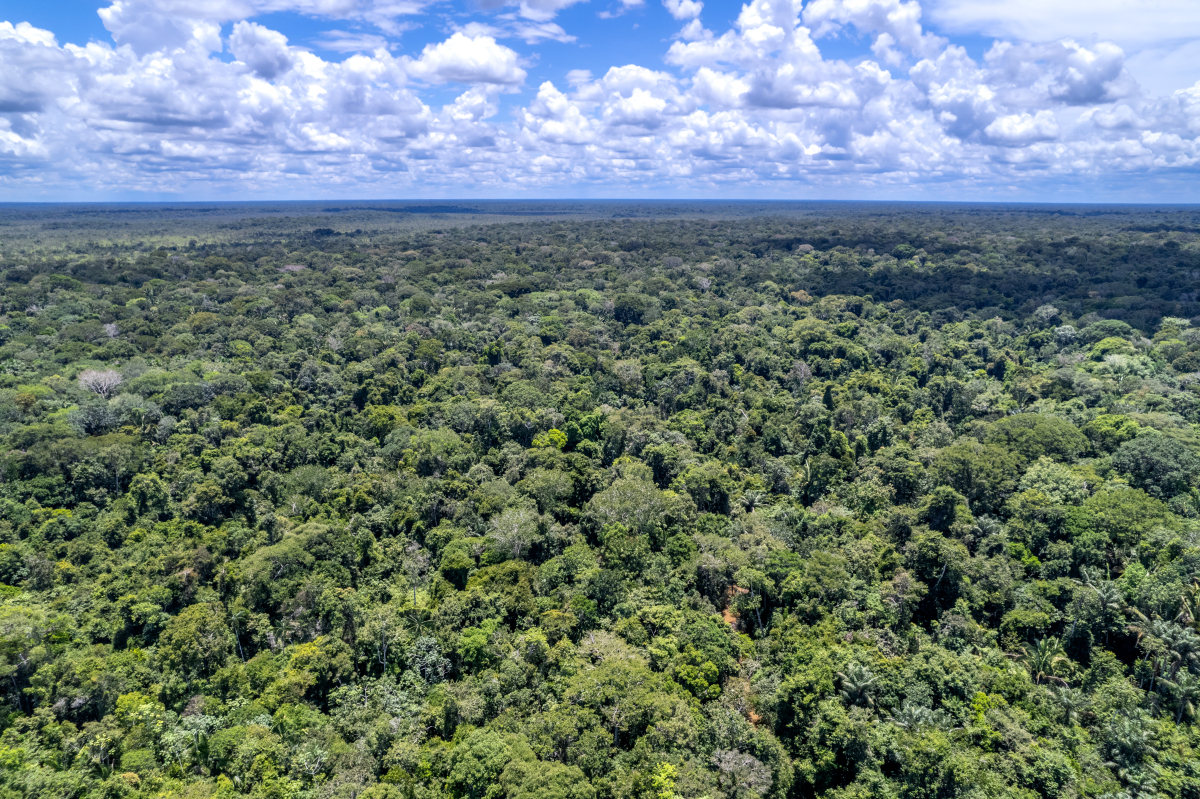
[[847, 99], [629, 35]]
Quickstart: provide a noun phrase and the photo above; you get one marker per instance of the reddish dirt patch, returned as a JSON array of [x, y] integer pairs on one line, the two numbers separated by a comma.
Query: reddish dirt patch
[[728, 615]]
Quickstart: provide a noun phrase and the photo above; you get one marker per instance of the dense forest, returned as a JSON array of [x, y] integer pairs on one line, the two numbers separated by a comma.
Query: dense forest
[[666, 503]]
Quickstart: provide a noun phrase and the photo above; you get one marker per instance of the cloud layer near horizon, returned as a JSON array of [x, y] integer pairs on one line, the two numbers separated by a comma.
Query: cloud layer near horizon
[[175, 105]]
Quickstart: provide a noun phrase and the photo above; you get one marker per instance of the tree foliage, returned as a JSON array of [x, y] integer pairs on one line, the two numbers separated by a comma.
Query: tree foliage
[[878, 503]]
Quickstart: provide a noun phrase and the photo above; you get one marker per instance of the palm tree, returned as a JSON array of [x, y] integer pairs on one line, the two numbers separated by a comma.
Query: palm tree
[[1043, 659], [1183, 648], [1130, 740], [1185, 688], [237, 619], [1150, 637], [1141, 783], [942, 721], [915, 718], [985, 527], [1111, 603], [1189, 605], [912, 717], [857, 684], [1071, 700], [752, 500], [417, 622]]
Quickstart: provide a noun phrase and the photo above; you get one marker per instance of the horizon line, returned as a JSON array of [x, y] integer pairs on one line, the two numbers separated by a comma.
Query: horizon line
[[1144, 204]]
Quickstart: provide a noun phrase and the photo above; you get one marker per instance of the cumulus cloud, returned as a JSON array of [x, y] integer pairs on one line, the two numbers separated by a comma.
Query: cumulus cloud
[[893, 23], [742, 108], [1038, 20], [263, 50], [1162, 38], [683, 9], [1019, 130], [150, 25], [468, 59], [25, 32]]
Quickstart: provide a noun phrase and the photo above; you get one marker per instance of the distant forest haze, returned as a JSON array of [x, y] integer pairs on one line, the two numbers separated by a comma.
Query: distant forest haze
[[599, 500]]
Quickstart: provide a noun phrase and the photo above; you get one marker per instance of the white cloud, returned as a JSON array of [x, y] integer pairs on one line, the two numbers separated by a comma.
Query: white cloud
[[1038, 20], [467, 59], [553, 117], [24, 32], [263, 50], [108, 117], [1166, 67], [475, 28], [534, 32], [340, 41], [514, 26], [684, 9], [741, 109], [623, 6], [899, 22], [544, 10], [150, 25], [1162, 37], [1019, 130]]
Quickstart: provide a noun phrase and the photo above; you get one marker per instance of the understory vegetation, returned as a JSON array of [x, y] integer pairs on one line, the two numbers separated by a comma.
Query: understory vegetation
[[876, 505]]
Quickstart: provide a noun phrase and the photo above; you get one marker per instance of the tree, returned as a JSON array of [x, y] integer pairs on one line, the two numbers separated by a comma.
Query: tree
[[1032, 436], [663, 781], [526, 779], [474, 645], [416, 563], [149, 493], [1055, 481], [822, 583], [476, 765], [1108, 599], [103, 383], [742, 775], [196, 641], [858, 683], [1162, 467], [1044, 659], [1183, 646], [633, 502], [709, 485], [382, 632], [206, 501], [238, 617], [1129, 739], [626, 694], [915, 718], [1189, 605], [425, 658], [548, 487], [983, 473], [944, 509], [1110, 430], [1122, 517], [1185, 687], [900, 468], [1071, 700], [514, 530]]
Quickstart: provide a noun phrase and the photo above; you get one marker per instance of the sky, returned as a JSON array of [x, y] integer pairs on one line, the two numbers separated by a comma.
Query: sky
[[960, 100]]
